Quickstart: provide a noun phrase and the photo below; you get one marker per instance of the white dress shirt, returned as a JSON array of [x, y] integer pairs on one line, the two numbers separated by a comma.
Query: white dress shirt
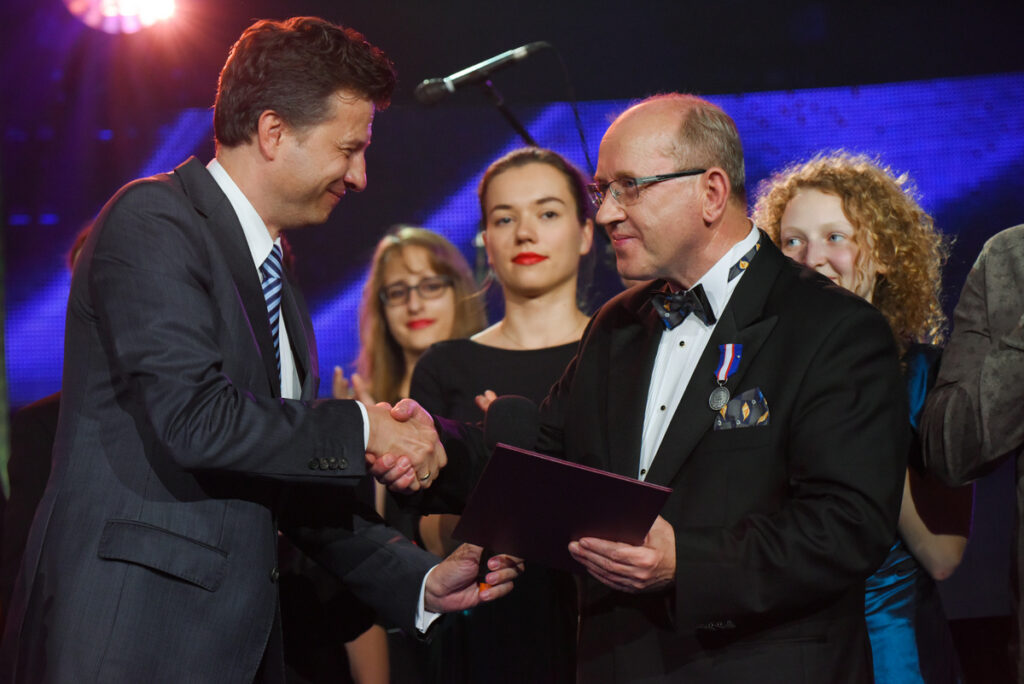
[[681, 348], [260, 244]]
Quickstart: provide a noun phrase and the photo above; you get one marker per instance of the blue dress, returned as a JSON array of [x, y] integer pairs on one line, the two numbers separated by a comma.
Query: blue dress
[[910, 639]]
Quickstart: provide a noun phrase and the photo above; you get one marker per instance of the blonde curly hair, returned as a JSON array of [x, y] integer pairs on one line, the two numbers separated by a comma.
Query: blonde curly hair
[[890, 225]]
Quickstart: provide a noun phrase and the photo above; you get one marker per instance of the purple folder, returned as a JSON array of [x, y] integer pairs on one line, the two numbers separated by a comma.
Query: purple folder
[[531, 505]]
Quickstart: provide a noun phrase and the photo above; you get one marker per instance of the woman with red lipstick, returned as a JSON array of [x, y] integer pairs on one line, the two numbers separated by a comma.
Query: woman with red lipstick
[[420, 290], [536, 230], [854, 222]]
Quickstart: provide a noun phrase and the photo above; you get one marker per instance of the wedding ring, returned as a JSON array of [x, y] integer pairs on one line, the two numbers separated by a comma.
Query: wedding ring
[[425, 477]]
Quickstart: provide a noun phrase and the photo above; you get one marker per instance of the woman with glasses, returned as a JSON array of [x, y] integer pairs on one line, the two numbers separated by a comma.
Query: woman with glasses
[[856, 223], [536, 230], [419, 291]]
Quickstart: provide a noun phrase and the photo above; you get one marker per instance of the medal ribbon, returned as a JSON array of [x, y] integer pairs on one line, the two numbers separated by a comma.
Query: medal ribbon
[[728, 360]]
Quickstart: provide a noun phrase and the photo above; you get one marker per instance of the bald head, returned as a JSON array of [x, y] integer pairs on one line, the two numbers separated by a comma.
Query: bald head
[[681, 161], [697, 134]]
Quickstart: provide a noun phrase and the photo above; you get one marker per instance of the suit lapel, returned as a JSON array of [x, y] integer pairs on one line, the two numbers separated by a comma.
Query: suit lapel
[[211, 202], [633, 349], [742, 322]]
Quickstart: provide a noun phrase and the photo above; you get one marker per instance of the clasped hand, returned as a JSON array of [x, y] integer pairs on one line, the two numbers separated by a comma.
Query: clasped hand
[[404, 451], [632, 569]]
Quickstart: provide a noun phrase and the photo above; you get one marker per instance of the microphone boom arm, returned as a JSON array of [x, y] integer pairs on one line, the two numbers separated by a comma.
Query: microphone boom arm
[[498, 101]]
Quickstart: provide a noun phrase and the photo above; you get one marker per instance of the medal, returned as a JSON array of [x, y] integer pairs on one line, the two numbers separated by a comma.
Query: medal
[[728, 361], [719, 398]]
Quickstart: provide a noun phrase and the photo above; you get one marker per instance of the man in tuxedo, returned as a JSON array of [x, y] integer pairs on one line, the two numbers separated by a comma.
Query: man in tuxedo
[[189, 430], [766, 397]]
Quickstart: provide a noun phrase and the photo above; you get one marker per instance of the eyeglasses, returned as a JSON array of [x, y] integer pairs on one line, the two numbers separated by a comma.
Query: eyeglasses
[[627, 190], [397, 294]]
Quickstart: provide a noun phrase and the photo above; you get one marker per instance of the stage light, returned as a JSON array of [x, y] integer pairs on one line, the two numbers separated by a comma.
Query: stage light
[[120, 16]]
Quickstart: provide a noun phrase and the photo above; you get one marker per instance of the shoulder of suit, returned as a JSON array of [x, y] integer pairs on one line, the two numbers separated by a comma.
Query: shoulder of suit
[[627, 305], [801, 289], [1009, 243]]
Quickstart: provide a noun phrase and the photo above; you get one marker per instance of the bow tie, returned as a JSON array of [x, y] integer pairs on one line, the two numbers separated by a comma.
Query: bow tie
[[674, 307]]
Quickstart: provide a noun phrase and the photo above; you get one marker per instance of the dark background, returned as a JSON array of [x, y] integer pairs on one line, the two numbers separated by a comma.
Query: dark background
[[83, 112]]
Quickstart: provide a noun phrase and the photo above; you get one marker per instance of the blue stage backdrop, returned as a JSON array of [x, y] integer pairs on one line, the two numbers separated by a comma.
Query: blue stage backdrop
[[962, 140]]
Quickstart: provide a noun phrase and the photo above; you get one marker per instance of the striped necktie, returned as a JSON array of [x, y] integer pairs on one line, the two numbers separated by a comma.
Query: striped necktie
[[271, 271]]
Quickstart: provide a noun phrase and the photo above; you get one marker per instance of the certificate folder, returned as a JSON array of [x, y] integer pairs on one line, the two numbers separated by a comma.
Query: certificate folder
[[531, 505]]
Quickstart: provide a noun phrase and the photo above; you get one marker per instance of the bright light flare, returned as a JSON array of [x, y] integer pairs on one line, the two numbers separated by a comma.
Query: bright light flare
[[120, 16]]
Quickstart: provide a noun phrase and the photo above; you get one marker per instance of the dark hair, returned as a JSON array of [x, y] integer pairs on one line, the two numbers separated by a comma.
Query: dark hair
[[538, 155], [293, 67], [524, 156], [78, 243]]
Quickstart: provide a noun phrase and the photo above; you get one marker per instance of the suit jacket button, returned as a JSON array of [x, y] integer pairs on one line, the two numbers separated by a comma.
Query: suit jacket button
[[274, 574], [324, 464], [343, 464], [313, 464]]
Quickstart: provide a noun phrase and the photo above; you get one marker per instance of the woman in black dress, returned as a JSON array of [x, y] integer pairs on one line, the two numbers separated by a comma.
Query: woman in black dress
[[536, 231]]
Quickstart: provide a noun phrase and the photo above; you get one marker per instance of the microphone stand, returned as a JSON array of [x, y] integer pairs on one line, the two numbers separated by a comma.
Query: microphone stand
[[498, 101]]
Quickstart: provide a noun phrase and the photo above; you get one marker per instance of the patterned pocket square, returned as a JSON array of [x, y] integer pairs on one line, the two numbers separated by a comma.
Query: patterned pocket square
[[748, 409]]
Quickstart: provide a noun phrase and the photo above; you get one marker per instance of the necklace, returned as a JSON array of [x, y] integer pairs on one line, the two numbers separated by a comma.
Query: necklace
[[508, 336], [519, 344]]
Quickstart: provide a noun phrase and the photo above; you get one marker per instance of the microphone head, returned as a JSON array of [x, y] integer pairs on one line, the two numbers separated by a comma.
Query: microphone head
[[513, 420], [431, 91]]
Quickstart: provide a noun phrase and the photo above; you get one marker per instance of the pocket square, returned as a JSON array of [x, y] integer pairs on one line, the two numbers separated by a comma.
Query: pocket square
[[748, 409]]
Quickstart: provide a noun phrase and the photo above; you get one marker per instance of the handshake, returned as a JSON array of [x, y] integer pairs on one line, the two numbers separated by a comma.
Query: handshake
[[403, 452]]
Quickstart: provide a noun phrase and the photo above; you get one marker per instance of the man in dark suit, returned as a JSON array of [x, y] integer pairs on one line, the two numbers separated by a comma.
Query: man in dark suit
[[189, 433], [768, 399]]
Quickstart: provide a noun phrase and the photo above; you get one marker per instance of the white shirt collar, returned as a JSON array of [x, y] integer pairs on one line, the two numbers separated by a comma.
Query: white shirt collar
[[256, 234], [716, 281]]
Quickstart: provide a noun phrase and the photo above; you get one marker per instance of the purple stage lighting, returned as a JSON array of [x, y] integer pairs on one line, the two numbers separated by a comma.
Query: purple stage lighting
[[120, 16]]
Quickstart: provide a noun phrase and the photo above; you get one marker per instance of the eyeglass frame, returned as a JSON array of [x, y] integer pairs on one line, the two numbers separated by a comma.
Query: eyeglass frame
[[597, 194], [446, 281]]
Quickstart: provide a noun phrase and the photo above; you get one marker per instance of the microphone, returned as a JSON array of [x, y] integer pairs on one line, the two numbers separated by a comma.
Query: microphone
[[513, 420], [433, 90]]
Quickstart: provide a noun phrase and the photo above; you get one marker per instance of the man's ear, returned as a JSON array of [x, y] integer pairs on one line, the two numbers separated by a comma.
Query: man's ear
[[717, 189], [270, 131]]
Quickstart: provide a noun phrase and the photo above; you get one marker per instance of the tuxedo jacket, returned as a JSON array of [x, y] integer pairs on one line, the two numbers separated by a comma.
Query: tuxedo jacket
[[779, 513], [153, 554]]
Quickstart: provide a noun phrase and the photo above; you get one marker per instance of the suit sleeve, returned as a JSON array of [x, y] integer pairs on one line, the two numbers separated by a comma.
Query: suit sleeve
[[174, 330], [375, 562], [838, 485], [972, 418]]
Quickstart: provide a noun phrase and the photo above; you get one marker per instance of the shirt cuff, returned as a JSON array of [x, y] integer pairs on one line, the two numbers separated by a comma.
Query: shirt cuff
[[424, 618], [366, 423]]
